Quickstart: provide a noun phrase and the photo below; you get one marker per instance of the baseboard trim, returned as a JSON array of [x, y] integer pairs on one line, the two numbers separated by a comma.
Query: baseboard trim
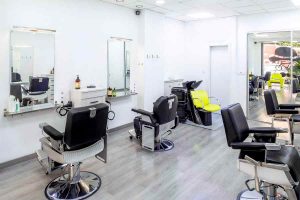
[[17, 161], [119, 127], [32, 156]]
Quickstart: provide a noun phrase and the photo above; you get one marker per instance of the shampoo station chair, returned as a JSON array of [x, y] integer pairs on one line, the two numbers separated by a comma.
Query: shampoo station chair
[[274, 169], [84, 137], [282, 112], [151, 128], [276, 78], [203, 104]]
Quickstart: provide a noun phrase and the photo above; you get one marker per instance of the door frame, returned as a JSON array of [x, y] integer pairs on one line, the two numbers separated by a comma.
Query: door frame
[[225, 44]]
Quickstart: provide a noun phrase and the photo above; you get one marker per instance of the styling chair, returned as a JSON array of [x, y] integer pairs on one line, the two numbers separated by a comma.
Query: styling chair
[[15, 77], [295, 86], [274, 169], [203, 104], [84, 137], [276, 78], [282, 112], [37, 86], [151, 128]]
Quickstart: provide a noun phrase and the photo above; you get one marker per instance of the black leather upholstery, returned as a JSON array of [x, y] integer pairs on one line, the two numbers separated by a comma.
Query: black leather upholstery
[[165, 108], [83, 129], [295, 118], [237, 129], [273, 107], [53, 133]]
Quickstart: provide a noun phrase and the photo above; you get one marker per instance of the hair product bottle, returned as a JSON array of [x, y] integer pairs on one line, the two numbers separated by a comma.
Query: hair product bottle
[[77, 83]]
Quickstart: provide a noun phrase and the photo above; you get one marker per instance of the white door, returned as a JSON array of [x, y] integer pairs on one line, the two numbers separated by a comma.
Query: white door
[[220, 74]]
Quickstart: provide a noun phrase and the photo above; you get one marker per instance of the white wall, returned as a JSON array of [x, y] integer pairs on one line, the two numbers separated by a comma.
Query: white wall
[[83, 28], [254, 57], [200, 35]]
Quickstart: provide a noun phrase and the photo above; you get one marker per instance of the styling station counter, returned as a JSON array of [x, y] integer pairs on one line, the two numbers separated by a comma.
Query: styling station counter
[[121, 105]]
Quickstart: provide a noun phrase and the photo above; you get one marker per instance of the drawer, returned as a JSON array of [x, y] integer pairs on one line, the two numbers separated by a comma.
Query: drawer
[[93, 94], [92, 101]]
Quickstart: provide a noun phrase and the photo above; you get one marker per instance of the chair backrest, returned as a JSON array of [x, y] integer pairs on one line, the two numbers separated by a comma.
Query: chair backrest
[[295, 85], [267, 76], [15, 77], [276, 76], [235, 123], [38, 84], [85, 126], [200, 98], [255, 81], [165, 109], [271, 101]]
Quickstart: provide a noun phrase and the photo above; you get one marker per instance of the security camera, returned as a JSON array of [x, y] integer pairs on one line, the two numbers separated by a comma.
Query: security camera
[[137, 12]]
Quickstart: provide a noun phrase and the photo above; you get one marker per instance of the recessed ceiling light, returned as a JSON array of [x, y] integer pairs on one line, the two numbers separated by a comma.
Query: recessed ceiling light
[[296, 2], [201, 15], [120, 1], [275, 41], [160, 2], [139, 6]]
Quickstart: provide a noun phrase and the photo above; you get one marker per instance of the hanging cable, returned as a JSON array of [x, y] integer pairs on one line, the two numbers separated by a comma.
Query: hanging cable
[[111, 114]]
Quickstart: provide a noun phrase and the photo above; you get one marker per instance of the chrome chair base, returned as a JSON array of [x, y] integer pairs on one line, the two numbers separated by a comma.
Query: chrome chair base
[[63, 188], [246, 195], [165, 145]]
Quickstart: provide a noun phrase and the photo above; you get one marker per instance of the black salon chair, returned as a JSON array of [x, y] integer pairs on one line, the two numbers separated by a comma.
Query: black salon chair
[[84, 137], [287, 112], [257, 134], [295, 86], [151, 128], [270, 165], [15, 77], [37, 86]]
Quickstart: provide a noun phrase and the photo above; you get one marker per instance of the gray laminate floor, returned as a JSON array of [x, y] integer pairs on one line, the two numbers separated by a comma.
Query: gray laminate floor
[[200, 167]]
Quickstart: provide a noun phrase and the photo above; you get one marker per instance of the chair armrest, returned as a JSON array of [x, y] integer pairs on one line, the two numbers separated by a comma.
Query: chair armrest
[[267, 130], [53, 133], [146, 113], [289, 106], [248, 146], [25, 89], [286, 111]]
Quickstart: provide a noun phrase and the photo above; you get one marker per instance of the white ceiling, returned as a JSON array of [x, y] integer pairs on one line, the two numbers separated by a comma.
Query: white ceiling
[[179, 9]]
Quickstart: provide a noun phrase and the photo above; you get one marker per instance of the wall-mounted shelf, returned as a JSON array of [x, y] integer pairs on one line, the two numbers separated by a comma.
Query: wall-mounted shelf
[[29, 109], [121, 95]]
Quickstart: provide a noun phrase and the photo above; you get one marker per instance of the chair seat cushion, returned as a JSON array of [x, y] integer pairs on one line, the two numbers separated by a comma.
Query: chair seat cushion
[[212, 107], [295, 118]]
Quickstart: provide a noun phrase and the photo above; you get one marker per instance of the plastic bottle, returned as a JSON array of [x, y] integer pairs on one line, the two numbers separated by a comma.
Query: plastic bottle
[[77, 83], [17, 105], [11, 104]]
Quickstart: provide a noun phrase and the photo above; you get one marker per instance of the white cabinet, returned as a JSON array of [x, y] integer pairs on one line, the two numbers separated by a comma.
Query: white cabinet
[[88, 96], [168, 85]]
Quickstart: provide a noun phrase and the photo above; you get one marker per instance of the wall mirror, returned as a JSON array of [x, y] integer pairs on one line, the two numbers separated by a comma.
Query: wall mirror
[[32, 63], [119, 63], [273, 63]]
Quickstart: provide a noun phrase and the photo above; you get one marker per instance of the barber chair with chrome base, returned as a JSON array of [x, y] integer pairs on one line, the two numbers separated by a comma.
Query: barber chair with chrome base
[[274, 169], [282, 112], [151, 128], [84, 137]]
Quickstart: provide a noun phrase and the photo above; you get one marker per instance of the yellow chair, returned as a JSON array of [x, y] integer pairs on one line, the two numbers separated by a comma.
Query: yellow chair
[[202, 101], [276, 78]]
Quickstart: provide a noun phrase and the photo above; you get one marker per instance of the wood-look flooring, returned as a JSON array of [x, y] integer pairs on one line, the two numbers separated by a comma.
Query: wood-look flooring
[[200, 167]]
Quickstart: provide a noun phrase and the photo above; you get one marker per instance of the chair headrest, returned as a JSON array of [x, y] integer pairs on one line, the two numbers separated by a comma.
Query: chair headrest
[[165, 109], [85, 126]]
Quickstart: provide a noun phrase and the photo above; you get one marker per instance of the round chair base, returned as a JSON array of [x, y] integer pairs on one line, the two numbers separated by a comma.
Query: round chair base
[[62, 188], [246, 195], [165, 145]]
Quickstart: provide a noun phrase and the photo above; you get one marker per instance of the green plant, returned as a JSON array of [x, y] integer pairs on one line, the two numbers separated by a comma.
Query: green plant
[[296, 68]]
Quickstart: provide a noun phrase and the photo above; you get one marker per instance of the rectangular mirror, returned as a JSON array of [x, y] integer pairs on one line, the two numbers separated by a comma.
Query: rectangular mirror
[[119, 62], [32, 56], [270, 66]]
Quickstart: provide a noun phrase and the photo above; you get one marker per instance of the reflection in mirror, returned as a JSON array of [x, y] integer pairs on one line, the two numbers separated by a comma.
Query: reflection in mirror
[[271, 65], [119, 63], [32, 69]]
